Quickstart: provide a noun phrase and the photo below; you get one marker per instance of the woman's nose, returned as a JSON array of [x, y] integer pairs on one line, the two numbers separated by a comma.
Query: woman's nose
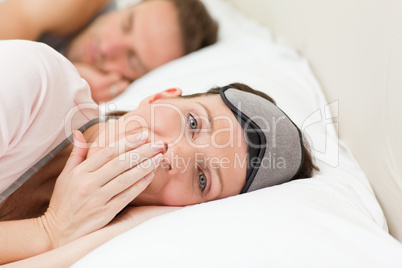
[[177, 160]]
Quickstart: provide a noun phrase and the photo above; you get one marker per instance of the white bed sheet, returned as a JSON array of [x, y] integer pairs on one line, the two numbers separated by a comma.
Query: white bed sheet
[[331, 220]]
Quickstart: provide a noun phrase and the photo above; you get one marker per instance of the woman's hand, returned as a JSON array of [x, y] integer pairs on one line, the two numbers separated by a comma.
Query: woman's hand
[[90, 192]]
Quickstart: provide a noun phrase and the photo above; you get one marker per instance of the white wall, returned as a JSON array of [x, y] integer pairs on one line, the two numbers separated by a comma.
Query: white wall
[[355, 49]]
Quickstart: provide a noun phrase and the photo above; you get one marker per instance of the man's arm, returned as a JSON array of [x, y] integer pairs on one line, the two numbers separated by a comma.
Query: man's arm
[[27, 19]]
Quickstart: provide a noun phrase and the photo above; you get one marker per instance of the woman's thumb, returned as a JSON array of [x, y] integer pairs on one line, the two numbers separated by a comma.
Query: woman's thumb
[[79, 153]]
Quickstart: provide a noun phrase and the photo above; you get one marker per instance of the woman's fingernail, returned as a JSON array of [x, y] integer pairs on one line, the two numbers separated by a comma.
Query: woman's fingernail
[[143, 136], [75, 138], [156, 160], [157, 146], [74, 135], [166, 146], [149, 177]]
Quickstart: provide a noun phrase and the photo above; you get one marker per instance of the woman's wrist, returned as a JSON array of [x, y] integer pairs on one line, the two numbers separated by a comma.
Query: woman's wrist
[[22, 239], [48, 236]]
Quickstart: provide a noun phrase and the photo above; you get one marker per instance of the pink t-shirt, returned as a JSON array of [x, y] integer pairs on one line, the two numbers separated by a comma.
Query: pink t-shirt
[[42, 100]]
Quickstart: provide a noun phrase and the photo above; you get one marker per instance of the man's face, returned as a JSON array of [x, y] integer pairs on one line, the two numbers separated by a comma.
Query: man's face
[[130, 42], [206, 158]]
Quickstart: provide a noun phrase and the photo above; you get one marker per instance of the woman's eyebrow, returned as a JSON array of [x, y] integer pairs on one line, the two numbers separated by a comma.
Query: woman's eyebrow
[[210, 121], [217, 169], [218, 172]]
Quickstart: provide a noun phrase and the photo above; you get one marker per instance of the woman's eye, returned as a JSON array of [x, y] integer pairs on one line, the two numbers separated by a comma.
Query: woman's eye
[[202, 181], [192, 122]]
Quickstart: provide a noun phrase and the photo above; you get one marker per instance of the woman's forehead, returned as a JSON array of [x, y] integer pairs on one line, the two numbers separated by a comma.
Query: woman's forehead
[[214, 103], [227, 152]]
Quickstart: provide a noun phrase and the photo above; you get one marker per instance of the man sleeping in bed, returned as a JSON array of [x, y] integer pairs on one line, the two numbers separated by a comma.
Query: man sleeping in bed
[[117, 46], [172, 151]]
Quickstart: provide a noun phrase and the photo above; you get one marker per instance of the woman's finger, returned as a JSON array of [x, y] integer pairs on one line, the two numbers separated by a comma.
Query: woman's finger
[[79, 152], [119, 202], [113, 190], [124, 162], [110, 152]]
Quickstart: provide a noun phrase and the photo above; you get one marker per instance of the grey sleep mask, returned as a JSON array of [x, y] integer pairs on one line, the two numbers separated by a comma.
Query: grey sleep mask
[[274, 143]]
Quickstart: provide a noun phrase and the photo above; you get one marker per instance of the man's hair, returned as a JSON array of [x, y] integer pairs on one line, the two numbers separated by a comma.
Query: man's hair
[[198, 28]]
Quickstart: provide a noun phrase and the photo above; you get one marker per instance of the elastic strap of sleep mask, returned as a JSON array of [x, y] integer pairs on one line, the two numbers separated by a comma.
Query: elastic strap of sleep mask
[[255, 139], [290, 139]]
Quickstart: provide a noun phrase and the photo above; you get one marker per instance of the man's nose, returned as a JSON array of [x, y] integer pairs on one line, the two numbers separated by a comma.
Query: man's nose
[[113, 48]]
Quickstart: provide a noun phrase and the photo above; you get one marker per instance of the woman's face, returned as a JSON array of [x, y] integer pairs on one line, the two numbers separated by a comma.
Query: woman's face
[[206, 158]]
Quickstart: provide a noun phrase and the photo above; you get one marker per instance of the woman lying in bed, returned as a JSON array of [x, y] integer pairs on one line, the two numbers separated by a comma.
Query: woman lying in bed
[[172, 151]]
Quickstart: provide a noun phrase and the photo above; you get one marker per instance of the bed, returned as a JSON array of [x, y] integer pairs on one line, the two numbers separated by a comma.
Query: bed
[[344, 98]]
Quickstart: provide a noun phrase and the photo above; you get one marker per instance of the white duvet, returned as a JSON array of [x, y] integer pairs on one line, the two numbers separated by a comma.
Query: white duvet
[[330, 220]]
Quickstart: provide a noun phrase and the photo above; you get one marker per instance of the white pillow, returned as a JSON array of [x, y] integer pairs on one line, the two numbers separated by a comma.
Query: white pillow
[[331, 220], [308, 223]]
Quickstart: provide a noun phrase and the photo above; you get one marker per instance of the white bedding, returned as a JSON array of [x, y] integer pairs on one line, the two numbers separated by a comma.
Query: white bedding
[[331, 220]]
